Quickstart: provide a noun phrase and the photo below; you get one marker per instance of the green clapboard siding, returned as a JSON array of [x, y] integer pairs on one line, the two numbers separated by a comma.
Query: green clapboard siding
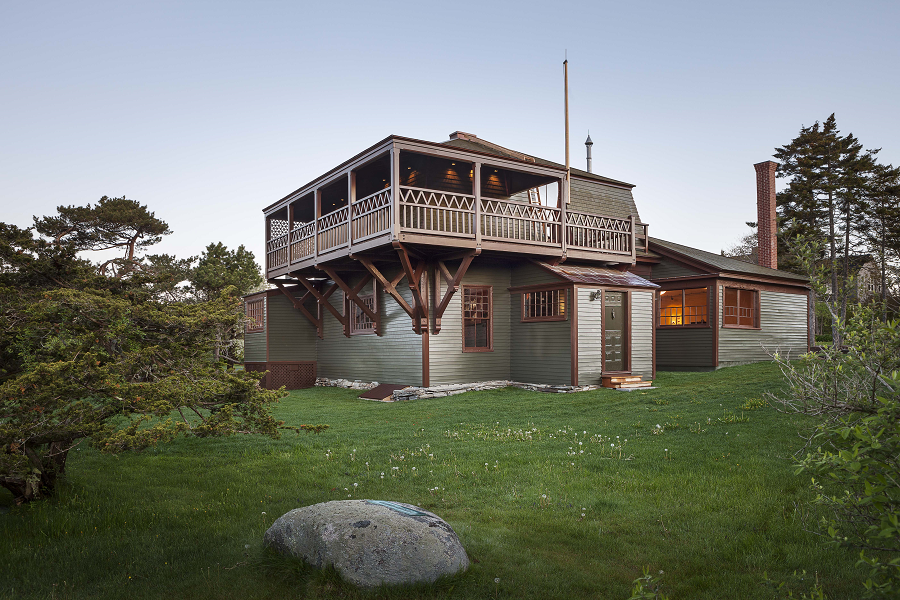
[[642, 334], [255, 347], [684, 348], [782, 320], [601, 199], [528, 273], [590, 335], [395, 357], [449, 364], [291, 335], [670, 268], [542, 351]]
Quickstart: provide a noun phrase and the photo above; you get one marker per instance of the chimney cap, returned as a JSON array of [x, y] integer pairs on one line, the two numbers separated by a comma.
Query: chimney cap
[[588, 141], [462, 135]]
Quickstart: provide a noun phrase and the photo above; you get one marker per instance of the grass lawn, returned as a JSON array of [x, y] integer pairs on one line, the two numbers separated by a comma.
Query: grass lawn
[[546, 494]]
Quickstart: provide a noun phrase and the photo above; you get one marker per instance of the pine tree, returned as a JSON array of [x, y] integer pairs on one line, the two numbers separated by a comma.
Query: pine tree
[[883, 215], [828, 176]]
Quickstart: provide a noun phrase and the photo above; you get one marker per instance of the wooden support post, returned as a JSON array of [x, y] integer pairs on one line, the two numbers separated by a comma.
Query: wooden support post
[[453, 283], [322, 298], [352, 293], [476, 184], [563, 217], [290, 212], [298, 304], [395, 193], [390, 287], [414, 277], [317, 212], [351, 198], [633, 239]]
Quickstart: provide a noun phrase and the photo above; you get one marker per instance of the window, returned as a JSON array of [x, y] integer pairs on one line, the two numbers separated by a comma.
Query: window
[[740, 308], [545, 305], [477, 311], [683, 307], [255, 310], [360, 323]]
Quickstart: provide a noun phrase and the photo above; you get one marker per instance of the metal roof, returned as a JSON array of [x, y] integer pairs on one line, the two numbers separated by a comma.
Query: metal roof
[[597, 275], [718, 262]]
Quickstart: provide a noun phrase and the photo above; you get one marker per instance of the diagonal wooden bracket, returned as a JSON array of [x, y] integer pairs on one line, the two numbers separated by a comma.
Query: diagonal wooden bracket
[[453, 282], [298, 304], [414, 278], [353, 295], [322, 298], [390, 287]]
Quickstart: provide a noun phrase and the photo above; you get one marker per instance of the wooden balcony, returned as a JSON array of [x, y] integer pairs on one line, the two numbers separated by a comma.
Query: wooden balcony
[[398, 212]]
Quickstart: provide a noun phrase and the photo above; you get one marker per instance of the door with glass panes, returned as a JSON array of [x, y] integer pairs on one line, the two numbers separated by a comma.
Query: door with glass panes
[[615, 331]]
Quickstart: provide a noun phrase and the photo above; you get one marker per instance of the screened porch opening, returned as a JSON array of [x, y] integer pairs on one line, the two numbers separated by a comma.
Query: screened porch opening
[[277, 239], [303, 214], [334, 197], [373, 177], [503, 184], [433, 173]]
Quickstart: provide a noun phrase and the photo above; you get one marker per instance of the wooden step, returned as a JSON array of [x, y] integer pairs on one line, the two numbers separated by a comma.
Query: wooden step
[[621, 378], [637, 384]]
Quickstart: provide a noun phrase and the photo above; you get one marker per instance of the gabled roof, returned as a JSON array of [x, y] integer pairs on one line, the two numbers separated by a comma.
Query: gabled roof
[[473, 142], [718, 263], [596, 275]]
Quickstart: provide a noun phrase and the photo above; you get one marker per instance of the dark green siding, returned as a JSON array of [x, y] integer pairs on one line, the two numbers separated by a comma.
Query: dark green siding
[[601, 199], [449, 364], [291, 335], [395, 357], [684, 348], [542, 351], [255, 347], [782, 320], [670, 268]]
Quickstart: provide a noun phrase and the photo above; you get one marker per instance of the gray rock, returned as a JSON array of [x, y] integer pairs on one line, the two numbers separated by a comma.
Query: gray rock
[[370, 542]]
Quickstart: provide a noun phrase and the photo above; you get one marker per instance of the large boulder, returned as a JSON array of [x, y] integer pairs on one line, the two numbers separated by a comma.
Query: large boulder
[[370, 542]]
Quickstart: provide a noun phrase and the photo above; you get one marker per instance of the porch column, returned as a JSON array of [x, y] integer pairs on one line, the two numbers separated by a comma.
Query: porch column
[[317, 212], [476, 184], [395, 193], [290, 212], [563, 219], [351, 198]]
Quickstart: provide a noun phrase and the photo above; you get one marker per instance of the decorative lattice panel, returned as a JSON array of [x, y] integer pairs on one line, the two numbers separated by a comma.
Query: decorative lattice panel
[[292, 375]]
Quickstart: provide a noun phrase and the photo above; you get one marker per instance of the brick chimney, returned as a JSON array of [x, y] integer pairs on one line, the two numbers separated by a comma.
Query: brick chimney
[[766, 230]]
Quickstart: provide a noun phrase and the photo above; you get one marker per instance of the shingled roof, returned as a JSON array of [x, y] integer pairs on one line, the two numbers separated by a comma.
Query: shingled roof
[[718, 263], [469, 141]]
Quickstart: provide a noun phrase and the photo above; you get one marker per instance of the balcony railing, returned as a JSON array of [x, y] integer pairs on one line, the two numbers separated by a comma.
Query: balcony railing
[[432, 212]]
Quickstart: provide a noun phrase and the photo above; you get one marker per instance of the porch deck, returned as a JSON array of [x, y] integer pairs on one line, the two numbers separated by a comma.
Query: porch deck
[[326, 221]]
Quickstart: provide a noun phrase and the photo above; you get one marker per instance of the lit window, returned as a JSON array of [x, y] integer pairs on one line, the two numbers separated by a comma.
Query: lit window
[[740, 308], [683, 307], [546, 305], [255, 310], [477, 311]]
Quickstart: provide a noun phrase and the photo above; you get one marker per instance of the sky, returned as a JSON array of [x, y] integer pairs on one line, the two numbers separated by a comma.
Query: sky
[[209, 111]]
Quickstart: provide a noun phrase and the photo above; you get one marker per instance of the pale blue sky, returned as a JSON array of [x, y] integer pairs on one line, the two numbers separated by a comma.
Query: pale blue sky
[[209, 111]]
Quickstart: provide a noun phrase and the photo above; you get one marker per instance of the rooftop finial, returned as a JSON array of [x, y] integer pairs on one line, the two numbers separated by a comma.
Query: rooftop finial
[[588, 143]]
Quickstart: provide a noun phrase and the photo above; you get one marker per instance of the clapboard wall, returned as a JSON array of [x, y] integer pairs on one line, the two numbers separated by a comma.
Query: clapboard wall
[[642, 334], [395, 357], [255, 347], [448, 363], [688, 348], [782, 321], [601, 199], [590, 336], [291, 335]]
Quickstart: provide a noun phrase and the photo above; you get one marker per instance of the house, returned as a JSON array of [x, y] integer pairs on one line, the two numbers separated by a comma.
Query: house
[[715, 311], [425, 263]]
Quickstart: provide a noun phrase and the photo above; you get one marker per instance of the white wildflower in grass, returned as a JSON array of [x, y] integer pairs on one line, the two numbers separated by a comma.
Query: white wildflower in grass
[[355, 484], [496, 580]]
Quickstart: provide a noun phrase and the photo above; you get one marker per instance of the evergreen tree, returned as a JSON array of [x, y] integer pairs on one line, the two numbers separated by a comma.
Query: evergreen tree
[[219, 268], [827, 188], [883, 233], [88, 354]]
